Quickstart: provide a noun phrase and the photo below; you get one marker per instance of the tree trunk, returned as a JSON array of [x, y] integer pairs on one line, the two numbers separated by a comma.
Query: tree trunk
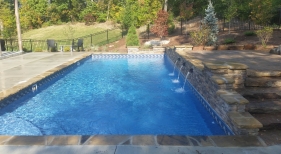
[[108, 6], [166, 5], [18, 25]]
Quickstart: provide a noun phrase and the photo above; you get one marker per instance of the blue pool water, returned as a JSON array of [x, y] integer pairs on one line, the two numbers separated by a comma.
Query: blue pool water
[[119, 96]]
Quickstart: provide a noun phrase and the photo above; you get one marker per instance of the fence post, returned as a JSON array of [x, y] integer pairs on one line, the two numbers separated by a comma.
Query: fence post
[[148, 30], [107, 36], [122, 31], [6, 42], [11, 42], [249, 25], [30, 45], [181, 26], [91, 40]]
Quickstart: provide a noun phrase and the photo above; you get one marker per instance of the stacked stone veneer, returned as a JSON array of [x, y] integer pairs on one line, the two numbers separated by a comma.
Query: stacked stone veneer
[[216, 81]]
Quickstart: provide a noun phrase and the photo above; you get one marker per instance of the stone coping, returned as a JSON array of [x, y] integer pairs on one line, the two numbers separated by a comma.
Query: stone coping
[[232, 97], [19, 87], [225, 65], [222, 80], [144, 140], [244, 120], [253, 73]]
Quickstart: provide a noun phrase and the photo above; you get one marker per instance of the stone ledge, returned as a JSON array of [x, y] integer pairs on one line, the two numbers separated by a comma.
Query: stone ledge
[[224, 65], [244, 120], [253, 73], [222, 80], [232, 97]]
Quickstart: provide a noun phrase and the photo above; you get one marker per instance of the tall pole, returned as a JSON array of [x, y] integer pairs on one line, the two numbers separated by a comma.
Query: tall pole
[[18, 25], [166, 5]]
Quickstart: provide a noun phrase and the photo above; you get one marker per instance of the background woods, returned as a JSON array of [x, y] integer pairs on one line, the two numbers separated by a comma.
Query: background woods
[[36, 14]]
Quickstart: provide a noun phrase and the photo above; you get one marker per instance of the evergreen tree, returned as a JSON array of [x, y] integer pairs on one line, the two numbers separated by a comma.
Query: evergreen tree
[[212, 22]]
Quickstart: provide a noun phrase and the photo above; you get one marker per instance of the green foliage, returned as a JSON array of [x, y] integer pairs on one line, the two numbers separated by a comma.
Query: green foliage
[[201, 36], [264, 35], [132, 38], [101, 17], [38, 50], [250, 33], [261, 12], [127, 16], [66, 49], [8, 21], [171, 25], [229, 41]]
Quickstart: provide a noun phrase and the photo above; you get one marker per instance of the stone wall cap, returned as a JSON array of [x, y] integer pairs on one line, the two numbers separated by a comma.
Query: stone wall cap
[[225, 65], [232, 97], [222, 80], [244, 120]]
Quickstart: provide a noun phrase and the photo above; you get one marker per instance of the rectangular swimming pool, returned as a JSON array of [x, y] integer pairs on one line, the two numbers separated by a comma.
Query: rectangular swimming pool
[[111, 95]]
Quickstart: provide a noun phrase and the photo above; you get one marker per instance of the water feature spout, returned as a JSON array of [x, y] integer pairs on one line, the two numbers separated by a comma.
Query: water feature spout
[[34, 88], [172, 74]]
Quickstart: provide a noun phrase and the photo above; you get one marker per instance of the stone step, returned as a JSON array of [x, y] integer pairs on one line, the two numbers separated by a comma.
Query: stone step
[[263, 82], [259, 90], [269, 121], [263, 106], [255, 73]]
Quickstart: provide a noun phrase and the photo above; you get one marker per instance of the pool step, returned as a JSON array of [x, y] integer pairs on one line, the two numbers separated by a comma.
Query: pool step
[[269, 121]]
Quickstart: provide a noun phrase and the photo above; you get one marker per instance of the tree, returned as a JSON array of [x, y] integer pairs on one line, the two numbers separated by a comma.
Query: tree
[[212, 22], [33, 13], [7, 17], [261, 11], [160, 27], [231, 12], [186, 11], [132, 38], [18, 25]]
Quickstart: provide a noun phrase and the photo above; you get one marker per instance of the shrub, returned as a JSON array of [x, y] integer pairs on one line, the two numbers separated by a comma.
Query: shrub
[[201, 36], [66, 49], [38, 50], [229, 41], [250, 33], [160, 26], [264, 35], [101, 17], [89, 19], [171, 28], [54, 49], [132, 38]]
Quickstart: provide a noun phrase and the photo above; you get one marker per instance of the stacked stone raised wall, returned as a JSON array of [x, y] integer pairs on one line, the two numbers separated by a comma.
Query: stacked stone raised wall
[[215, 83]]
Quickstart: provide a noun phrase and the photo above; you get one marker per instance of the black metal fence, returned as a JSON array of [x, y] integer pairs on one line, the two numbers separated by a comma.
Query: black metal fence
[[236, 24], [89, 41]]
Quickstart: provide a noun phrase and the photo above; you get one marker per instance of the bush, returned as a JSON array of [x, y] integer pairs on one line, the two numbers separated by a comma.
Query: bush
[[38, 50], [171, 28], [250, 33], [66, 49], [101, 17], [201, 36], [264, 35], [132, 38], [229, 41]]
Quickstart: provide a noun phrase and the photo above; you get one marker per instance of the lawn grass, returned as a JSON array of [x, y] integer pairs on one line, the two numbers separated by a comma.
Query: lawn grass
[[91, 35], [57, 32]]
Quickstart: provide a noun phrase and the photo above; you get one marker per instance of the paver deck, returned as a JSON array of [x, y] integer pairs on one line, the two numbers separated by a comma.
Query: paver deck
[[18, 69], [255, 60]]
